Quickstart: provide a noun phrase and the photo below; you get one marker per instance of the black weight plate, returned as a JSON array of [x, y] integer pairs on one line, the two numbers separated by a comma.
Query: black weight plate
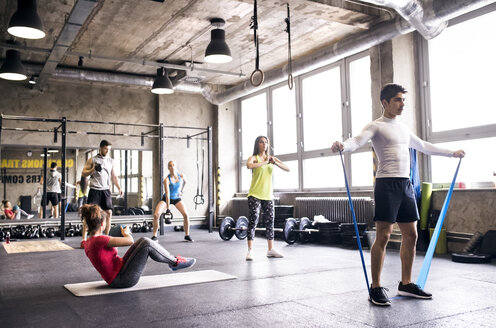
[[241, 228], [305, 224], [470, 258], [290, 236], [226, 231]]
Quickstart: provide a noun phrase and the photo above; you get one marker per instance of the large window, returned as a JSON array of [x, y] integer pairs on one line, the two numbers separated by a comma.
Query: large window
[[459, 71], [321, 98], [331, 103]]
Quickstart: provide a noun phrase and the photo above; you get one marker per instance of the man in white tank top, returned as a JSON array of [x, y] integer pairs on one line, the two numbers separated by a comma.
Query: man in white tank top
[[393, 192], [100, 169]]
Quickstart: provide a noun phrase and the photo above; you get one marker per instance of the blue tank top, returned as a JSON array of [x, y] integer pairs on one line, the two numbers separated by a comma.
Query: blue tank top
[[174, 187]]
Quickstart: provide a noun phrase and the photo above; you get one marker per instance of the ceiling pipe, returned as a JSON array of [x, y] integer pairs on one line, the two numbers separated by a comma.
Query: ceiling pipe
[[68, 73], [414, 12], [442, 10]]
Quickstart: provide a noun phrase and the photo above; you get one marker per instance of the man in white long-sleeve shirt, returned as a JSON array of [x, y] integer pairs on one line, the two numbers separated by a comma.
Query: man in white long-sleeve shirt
[[393, 192]]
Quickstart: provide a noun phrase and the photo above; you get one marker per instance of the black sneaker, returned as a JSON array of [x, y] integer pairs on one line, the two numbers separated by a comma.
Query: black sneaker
[[154, 238], [413, 290], [188, 238], [378, 296]]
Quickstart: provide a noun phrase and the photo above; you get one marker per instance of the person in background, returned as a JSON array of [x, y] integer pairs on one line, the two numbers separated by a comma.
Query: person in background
[[83, 191], [14, 212], [101, 173], [122, 272], [260, 197], [174, 185], [53, 182]]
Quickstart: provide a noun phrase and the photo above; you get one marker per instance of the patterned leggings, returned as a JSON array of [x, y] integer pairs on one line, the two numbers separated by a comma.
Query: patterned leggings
[[267, 207], [135, 261]]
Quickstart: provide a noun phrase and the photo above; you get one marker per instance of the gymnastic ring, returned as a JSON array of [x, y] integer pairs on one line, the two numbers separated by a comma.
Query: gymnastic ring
[[252, 77], [290, 81]]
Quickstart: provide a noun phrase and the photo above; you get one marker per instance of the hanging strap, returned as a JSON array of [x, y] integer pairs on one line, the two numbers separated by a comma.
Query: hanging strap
[[257, 71], [199, 199], [290, 64]]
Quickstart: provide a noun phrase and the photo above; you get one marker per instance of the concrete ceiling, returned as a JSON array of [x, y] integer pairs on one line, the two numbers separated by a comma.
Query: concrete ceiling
[[131, 36]]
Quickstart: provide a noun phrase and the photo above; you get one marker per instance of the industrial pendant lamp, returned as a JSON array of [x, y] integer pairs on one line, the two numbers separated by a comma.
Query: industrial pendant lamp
[[25, 23], [217, 50], [162, 84], [12, 68]]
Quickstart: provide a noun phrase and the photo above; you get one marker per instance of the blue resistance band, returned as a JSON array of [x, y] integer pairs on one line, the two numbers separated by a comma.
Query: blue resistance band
[[355, 222], [424, 271]]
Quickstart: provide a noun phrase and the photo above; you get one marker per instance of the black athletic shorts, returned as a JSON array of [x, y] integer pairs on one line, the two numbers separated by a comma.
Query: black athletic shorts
[[172, 201], [395, 200], [102, 198], [51, 197]]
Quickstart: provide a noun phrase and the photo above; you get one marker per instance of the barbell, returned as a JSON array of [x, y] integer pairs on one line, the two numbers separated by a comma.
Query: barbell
[[302, 231], [228, 228]]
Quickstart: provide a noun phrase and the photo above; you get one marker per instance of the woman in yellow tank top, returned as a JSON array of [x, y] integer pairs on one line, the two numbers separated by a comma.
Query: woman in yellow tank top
[[260, 194]]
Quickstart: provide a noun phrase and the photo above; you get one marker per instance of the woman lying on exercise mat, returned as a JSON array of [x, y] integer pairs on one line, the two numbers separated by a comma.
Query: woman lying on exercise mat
[[174, 185], [122, 272]]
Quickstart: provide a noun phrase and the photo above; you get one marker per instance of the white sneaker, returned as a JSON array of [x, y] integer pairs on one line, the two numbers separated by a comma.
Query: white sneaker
[[249, 255], [30, 216], [274, 253]]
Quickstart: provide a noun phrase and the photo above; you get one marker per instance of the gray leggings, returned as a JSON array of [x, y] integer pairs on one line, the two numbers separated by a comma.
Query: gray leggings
[[265, 208], [135, 261]]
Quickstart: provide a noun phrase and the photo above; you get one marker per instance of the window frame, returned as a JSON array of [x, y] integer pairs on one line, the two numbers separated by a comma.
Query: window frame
[[460, 134], [301, 154]]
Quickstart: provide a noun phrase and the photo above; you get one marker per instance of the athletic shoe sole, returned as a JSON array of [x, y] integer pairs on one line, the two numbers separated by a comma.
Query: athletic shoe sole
[[403, 293], [380, 304]]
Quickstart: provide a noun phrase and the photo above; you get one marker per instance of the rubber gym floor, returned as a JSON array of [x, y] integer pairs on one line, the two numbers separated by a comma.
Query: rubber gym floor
[[313, 286]]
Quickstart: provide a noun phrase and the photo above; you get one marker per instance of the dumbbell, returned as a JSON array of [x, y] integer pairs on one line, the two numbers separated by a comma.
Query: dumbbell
[[167, 216], [228, 228], [294, 231]]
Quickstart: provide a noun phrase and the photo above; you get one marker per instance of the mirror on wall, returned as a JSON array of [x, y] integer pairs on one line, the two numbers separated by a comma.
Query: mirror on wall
[[22, 176]]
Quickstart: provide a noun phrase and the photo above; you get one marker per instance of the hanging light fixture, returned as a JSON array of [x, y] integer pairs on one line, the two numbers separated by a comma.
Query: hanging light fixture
[[25, 23], [12, 68], [162, 84], [217, 50]]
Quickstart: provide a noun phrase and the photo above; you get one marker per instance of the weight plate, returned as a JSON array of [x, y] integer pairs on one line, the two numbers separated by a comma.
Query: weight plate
[[241, 228], [290, 236], [305, 224], [226, 231]]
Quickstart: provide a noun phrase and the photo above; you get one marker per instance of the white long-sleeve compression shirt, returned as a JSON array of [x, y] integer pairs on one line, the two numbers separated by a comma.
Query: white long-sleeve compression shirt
[[391, 141]]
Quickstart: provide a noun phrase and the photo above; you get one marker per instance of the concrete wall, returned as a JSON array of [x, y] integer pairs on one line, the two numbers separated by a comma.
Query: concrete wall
[[80, 101]]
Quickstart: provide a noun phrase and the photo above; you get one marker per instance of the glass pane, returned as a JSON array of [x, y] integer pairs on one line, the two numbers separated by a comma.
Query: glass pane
[[360, 94], [322, 172], [453, 94], [117, 162], [147, 163], [286, 180], [134, 185], [362, 169], [134, 161], [476, 169], [253, 122], [245, 178], [284, 120], [321, 95]]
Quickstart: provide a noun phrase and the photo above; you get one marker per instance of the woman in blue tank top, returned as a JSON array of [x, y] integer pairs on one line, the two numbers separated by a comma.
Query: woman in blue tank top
[[174, 185]]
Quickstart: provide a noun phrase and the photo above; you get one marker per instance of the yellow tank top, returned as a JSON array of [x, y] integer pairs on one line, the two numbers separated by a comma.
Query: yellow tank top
[[261, 182]]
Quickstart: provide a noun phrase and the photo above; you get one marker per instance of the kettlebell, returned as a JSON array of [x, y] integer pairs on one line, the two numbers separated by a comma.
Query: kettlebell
[[50, 232], [136, 227], [144, 227], [167, 216]]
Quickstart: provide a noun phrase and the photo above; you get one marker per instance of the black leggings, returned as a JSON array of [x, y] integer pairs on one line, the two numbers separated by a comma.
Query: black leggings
[[135, 261], [265, 208]]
